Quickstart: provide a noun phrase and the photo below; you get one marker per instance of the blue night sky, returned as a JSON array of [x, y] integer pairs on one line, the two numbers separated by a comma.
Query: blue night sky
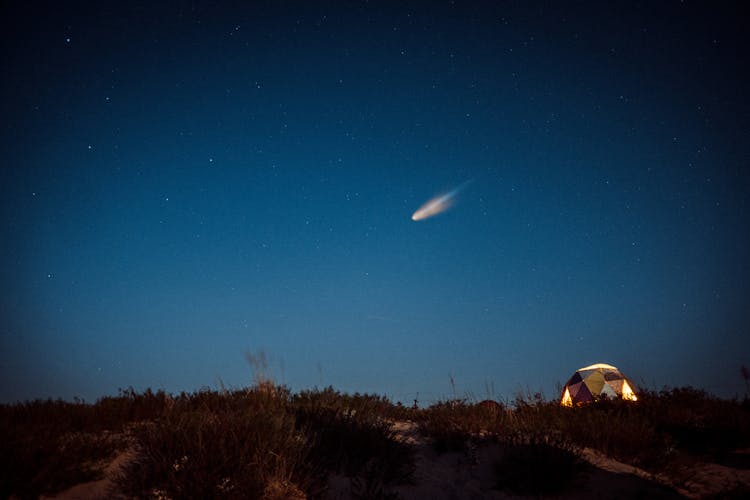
[[184, 184]]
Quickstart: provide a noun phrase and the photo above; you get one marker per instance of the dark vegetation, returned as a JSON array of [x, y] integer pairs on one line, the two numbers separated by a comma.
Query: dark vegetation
[[265, 442], [661, 433], [523, 457]]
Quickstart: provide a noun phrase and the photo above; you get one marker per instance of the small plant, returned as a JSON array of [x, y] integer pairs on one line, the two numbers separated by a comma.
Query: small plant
[[371, 483]]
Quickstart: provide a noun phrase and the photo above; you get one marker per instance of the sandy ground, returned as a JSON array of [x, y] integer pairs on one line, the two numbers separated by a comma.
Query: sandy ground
[[101, 489], [469, 475]]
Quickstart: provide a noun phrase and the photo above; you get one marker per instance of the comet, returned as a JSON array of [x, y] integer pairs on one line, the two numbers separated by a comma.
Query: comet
[[438, 204]]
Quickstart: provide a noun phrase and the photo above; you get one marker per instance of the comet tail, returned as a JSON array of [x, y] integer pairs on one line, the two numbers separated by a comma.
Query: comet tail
[[435, 206]]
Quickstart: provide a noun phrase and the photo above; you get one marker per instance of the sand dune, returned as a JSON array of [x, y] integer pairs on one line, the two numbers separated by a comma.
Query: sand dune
[[470, 475]]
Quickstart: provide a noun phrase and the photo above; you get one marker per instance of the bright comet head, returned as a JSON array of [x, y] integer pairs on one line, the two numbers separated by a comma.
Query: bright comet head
[[433, 207], [438, 204]]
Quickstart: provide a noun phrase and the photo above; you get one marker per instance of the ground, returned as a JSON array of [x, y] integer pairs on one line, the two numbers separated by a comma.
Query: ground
[[469, 475]]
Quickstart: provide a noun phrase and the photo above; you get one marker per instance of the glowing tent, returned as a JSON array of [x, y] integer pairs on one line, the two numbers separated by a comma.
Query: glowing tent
[[592, 382]]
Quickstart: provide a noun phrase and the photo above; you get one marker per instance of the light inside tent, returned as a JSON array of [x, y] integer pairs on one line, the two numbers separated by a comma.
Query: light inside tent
[[627, 392], [566, 399]]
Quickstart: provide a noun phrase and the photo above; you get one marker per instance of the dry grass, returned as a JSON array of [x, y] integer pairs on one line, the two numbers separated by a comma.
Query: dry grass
[[264, 442], [213, 445], [47, 446]]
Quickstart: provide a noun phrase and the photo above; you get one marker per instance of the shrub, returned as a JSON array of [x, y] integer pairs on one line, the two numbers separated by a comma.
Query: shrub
[[211, 446], [537, 465], [699, 423], [350, 435], [453, 424], [619, 429], [48, 446]]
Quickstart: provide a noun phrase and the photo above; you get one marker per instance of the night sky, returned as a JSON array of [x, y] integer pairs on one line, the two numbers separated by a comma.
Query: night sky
[[184, 184]]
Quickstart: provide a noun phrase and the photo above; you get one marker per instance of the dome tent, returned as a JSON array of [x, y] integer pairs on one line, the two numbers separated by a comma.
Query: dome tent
[[592, 382]]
